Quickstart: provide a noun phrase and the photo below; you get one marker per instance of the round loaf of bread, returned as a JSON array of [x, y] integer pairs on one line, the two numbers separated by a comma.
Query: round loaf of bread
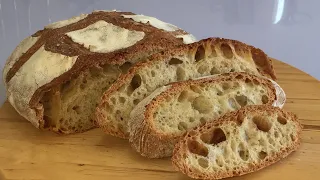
[[55, 77]]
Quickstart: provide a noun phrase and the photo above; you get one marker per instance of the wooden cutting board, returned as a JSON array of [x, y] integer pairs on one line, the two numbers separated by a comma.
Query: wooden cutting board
[[28, 153]]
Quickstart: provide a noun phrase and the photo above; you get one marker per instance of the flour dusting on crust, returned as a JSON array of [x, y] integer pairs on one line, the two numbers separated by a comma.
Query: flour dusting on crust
[[40, 69], [105, 37]]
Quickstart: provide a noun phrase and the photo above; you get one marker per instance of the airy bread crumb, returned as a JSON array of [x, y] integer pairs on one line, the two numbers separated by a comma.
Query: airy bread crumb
[[238, 143]]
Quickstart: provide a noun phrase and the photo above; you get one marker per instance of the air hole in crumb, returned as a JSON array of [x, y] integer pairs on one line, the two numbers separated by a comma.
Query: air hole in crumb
[[135, 82], [240, 76], [77, 109], [192, 133], [226, 50], [191, 119], [232, 103], [214, 70], [261, 123], [213, 137], [226, 86], [200, 53], [276, 134], [125, 67], [136, 101], [113, 100], [82, 86], [182, 126], [262, 155], [174, 61], [202, 104], [261, 91], [84, 81], [61, 120], [118, 115], [232, 70], [282, 120], [256, 82], [243, 153], [264, 99], [202, 120], [196, 148], [122, 99], [108, 107], [219, 93], [248, 80], [181, 74], [242, 100], [203, 68], [203, 163], [219, 162], [292, 137], [153, 73]]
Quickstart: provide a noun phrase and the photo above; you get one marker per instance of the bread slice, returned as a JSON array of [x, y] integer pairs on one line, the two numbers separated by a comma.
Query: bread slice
[[203, 58], [238, 143], [161, 119], [55, 77]]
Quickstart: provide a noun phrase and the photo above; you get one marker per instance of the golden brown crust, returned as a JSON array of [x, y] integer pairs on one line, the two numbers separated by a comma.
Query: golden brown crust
[[149, 142], [249, 53], [55, 40], [180, 148]]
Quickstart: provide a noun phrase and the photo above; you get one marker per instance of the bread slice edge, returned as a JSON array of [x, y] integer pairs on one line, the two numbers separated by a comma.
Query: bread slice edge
[[180, 147]]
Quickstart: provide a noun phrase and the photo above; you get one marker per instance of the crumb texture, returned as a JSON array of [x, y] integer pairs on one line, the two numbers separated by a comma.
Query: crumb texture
[[238, 143], [165, 117], [197, 104], [201, 59]]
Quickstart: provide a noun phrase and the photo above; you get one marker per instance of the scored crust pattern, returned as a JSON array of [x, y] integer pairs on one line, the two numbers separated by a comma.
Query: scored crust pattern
[[57, 42]]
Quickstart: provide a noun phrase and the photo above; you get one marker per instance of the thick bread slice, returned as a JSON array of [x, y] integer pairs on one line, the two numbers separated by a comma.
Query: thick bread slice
[[55, 77], [238, 143], [203, 58], [160, 119]]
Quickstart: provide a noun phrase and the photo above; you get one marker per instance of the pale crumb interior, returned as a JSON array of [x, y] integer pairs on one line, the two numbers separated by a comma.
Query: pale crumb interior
[[70, 109], [234, 146], [208, 60], [198, 104]]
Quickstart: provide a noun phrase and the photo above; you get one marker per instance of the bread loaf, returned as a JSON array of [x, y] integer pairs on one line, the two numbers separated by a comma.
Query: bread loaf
[[238, 143], [160, 120], [55, 77], [203, 58]]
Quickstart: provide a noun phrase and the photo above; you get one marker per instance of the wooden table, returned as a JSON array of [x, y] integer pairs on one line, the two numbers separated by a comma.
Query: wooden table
[[28, 153]]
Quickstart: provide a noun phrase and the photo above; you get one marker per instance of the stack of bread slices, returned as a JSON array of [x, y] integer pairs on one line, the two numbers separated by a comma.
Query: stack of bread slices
[[212, 105]]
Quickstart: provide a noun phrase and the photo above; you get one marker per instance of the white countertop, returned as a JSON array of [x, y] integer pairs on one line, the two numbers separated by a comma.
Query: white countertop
[[288, 30]]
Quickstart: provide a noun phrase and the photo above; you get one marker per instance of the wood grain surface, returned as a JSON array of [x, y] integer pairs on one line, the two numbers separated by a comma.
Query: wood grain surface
[[31, 154]]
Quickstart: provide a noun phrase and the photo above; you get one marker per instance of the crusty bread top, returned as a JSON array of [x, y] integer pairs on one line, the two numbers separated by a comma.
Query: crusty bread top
[[237, 143], [64, 49]]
